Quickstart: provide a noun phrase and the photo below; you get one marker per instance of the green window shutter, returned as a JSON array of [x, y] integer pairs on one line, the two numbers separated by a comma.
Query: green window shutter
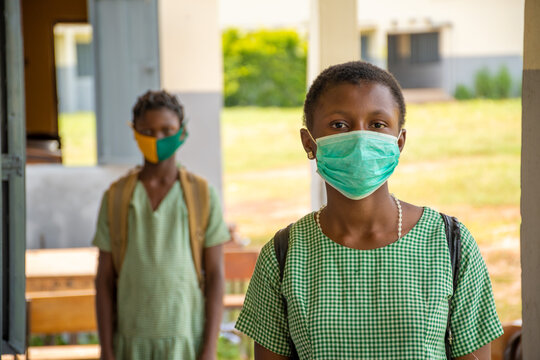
[[12, 171]]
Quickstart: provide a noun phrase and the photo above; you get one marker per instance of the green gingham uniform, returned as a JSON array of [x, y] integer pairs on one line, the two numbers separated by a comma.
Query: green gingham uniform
[[386, 303], [160, 306]]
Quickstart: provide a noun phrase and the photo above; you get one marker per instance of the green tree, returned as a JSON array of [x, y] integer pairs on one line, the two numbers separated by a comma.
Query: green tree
[[264, 67]]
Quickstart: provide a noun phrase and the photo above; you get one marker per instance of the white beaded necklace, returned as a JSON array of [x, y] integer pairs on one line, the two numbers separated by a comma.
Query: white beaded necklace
[[400, 216]]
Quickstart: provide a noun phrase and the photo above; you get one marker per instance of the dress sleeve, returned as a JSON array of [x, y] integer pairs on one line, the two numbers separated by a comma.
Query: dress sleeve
[[102, 238], [474, 320], [262, 317], [216, 231]]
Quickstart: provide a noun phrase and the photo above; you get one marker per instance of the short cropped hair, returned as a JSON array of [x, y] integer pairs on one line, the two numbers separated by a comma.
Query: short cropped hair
[[354, 72], [155, 100]]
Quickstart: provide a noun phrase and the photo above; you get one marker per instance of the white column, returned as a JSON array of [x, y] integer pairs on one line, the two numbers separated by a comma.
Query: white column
[[530, 180], [191, 67], [333, 38]]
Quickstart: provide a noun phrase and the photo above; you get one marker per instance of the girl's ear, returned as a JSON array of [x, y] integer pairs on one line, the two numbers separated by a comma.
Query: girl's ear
[[309, 146], [401, 139]]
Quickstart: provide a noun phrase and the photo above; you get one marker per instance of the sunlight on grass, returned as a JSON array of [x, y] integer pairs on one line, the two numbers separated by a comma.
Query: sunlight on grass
[[261, 138]]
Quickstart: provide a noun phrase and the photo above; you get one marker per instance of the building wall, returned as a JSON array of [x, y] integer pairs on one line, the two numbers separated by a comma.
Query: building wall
[[62, 203], [473, 34]]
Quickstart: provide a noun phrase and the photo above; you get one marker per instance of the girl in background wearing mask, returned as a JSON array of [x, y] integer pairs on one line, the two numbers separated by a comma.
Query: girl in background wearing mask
[[367, 276], [150, 300]]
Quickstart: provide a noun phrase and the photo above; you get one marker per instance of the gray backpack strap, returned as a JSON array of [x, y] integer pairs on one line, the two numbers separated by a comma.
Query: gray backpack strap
[[453, 236], [281, 246]]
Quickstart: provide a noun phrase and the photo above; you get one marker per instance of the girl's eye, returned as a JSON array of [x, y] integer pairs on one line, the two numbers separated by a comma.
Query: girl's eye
[[339, 125], [169, 131], [378, 125]]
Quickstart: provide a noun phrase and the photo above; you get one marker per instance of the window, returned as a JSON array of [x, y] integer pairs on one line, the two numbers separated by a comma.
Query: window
[[416, 48], [425, 47], [85, 63], [365, 45]]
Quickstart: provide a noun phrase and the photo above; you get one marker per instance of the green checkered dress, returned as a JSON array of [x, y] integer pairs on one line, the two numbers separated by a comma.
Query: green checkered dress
[[386, 303]]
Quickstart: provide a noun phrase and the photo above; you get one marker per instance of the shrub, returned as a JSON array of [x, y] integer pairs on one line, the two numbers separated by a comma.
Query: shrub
[[463, 93], [484, 84], [502, 83], [498, 86], [264, 68]]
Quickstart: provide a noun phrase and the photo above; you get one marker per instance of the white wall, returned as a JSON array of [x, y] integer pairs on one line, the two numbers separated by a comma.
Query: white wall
[[471, 27]]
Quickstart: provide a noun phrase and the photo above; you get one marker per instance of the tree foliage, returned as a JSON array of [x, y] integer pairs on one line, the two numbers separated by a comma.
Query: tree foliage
[[264, 67]]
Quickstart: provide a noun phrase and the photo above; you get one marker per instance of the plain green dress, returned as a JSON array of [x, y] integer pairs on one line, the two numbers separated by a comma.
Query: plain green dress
[[159, 304]]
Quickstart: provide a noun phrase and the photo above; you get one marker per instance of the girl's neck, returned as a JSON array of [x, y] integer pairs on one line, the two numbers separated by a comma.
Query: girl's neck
[[163, 171], [368, 215]]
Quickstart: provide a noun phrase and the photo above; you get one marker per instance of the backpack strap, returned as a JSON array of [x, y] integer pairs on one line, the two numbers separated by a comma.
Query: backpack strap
[[119, 197], [453, 237], [197, 198], [281, 247]]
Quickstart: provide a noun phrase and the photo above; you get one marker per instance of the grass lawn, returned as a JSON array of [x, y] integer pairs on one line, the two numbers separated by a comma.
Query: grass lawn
[[462, 158], [78, 135]]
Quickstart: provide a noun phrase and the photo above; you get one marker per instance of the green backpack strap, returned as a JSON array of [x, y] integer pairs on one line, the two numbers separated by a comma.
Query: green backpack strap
[[197, 198], [119, 197]]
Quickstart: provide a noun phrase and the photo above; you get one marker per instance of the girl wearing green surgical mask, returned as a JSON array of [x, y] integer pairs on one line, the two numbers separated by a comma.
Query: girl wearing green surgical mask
[[150, 298], [367, 276]]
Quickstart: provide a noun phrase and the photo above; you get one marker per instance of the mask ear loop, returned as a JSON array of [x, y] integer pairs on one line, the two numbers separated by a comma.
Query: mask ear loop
[[311, 136], [310, 154]]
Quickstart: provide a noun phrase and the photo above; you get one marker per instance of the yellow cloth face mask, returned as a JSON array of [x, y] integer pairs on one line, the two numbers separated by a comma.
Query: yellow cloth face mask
[[156, 150]]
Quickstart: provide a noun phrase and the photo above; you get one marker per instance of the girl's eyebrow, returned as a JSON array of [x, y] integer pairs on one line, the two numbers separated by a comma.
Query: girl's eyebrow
[[372, 113], [337, 112], [380, 112]]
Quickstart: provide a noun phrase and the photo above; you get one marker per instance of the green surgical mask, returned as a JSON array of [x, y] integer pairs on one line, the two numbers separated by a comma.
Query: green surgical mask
[[357, 163], [156, 150]]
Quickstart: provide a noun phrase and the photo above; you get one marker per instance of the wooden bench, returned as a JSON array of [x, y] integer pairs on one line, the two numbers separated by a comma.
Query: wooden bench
[[60, 301]]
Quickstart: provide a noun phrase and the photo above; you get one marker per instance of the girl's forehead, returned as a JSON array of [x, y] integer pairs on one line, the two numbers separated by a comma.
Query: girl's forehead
[[355, 97], [159, 115]]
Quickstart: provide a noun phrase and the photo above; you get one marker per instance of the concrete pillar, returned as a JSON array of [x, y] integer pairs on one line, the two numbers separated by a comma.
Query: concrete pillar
[[530, 180], [333, 38], [191, 67]]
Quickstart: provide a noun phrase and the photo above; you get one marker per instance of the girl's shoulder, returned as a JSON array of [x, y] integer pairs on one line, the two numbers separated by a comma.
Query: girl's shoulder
[[431, 222]]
